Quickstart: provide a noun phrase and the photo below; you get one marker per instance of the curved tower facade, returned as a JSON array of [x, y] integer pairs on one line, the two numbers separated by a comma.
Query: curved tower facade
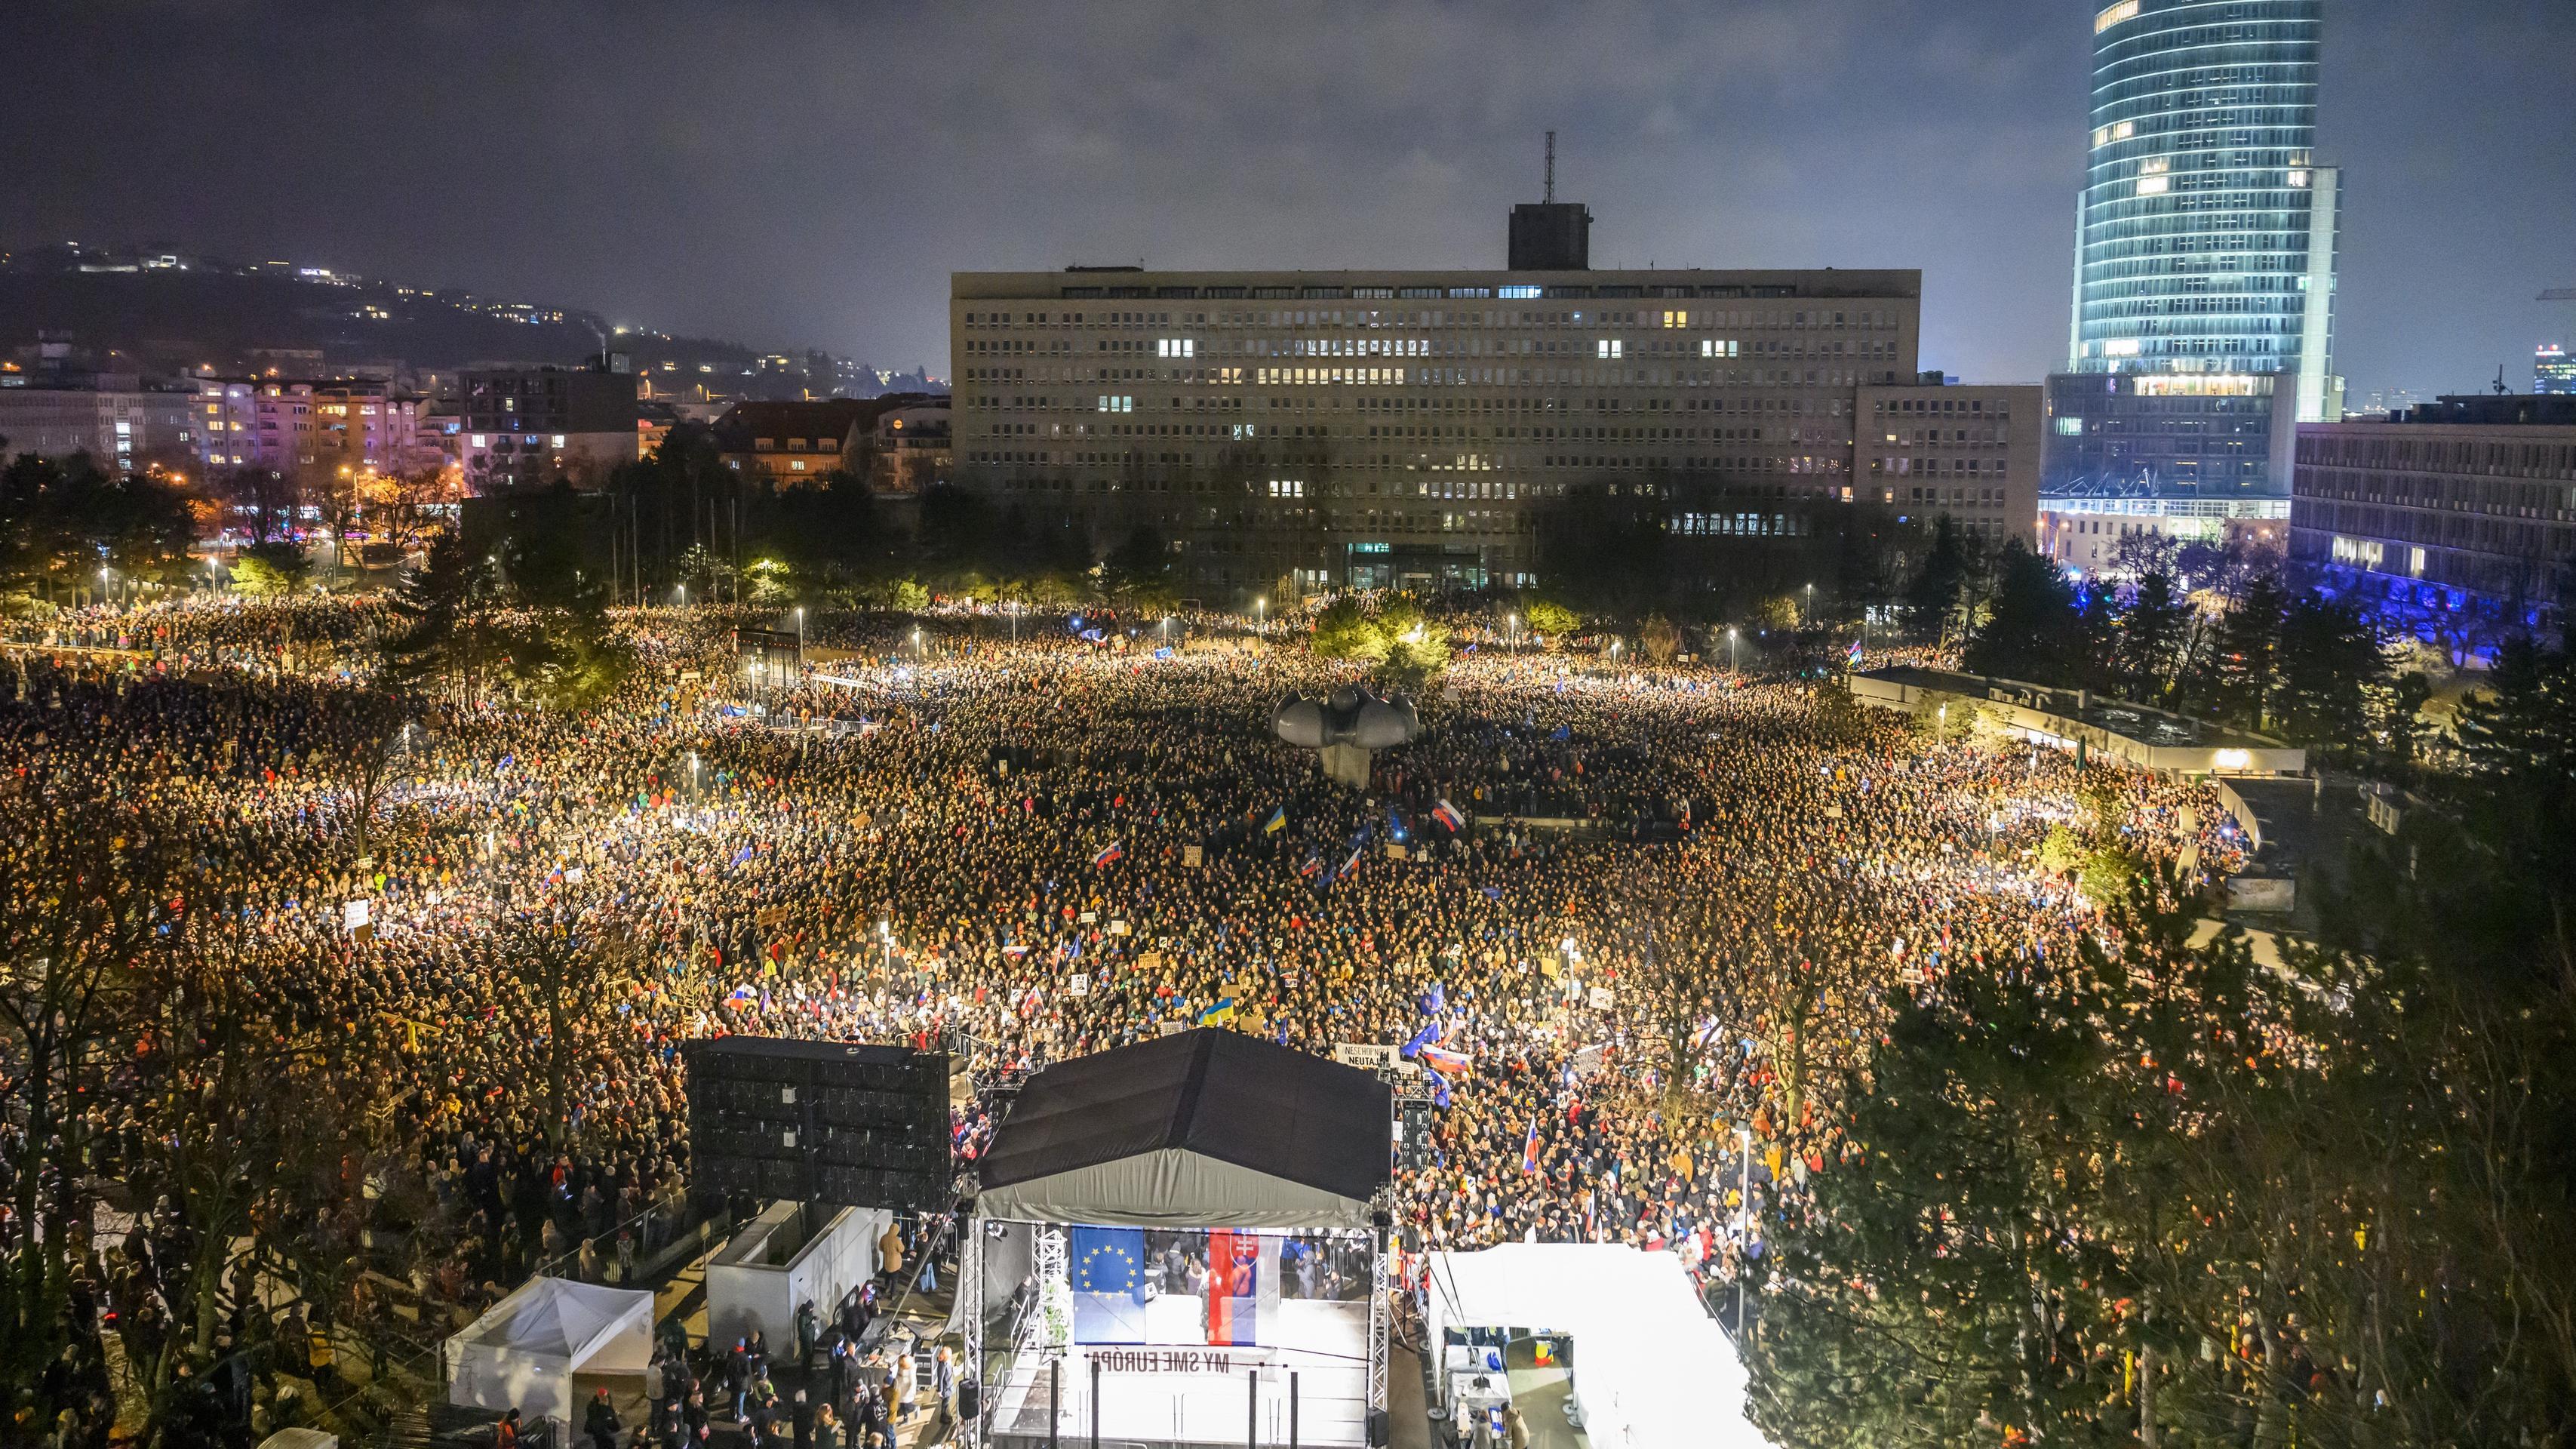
[[2203, 319]]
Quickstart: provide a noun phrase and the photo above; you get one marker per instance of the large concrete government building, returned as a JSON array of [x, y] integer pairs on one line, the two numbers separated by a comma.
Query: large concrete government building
[[1325, 430]]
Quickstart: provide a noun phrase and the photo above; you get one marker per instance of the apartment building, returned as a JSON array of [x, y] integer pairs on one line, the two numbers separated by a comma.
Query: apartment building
[[1409, 428], [120, 424], [517, 425], [315, 429]]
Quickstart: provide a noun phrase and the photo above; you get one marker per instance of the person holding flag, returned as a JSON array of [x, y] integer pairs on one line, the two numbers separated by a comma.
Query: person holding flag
[[1447, 814], [1277, 822], [1529, 1149], [1114, 852]]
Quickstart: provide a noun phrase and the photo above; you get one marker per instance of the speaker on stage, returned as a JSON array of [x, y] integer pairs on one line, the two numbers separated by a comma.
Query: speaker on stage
[[1377, 1428], [970, 1400]]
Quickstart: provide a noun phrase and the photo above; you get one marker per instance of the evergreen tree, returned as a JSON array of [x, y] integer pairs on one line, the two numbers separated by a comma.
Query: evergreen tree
[[2245, 662], [2153, 626], [1937, 600], [2036, 628], [2330, 663]]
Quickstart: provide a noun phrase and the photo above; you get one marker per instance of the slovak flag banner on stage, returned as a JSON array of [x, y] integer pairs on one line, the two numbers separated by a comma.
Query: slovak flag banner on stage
[[1447, 814], [1243, 1286], [1108, 1271], [1114, 851]]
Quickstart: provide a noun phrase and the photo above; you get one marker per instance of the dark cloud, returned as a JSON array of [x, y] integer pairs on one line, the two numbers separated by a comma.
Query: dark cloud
[[808, 173]]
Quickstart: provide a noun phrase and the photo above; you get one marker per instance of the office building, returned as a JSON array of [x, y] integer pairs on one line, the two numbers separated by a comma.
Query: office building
[[2464, 501], [524, 424], [1324, 430], [2553, 371], [2203, 321], [1971, 452], [121, 424]]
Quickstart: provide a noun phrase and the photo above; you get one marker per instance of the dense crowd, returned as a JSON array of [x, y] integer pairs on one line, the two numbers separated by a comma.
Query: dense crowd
[[1676, 915]]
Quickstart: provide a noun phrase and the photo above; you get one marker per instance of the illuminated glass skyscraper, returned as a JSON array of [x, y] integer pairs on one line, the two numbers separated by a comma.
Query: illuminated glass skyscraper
[[2203, 319]]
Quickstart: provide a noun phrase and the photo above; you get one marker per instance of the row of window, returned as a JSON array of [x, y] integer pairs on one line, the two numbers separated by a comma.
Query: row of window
[[1375, 318]]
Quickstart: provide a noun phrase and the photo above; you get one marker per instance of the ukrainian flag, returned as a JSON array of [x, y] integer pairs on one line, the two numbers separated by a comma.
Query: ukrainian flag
[[1277, 822], [1220, 1014]]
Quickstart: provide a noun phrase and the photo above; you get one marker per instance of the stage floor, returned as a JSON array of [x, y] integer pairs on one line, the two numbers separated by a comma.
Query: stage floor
[[1181, 1390]]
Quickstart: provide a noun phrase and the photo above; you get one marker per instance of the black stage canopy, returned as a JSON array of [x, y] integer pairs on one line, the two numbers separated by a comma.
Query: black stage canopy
[[1205, 1128]]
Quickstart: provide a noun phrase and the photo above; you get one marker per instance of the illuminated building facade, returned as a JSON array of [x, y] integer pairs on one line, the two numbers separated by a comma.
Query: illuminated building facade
[[2553, 371], [2203, 313], [2468, 499], [1307, 431]]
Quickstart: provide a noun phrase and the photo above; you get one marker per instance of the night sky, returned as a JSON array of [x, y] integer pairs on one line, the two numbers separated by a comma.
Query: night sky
[[793, 174]]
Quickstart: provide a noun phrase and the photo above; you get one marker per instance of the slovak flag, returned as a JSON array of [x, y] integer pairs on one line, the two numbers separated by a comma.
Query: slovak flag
[[1444, 1061], [1114, 852], [1529, 1148], [1447, 814]]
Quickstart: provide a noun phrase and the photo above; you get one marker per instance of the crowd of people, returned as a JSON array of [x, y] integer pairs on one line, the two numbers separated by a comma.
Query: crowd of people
[[1635, 924]]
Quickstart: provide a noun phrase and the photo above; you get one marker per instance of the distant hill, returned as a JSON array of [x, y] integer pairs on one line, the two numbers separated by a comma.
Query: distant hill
[[165, 313]]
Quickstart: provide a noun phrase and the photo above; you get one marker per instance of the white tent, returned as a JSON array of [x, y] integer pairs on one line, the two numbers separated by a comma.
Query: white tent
[[1651, 1368], [523, 1352]]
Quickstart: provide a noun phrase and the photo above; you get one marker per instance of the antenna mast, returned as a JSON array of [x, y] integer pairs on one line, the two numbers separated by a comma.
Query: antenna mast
[[1550, 196]]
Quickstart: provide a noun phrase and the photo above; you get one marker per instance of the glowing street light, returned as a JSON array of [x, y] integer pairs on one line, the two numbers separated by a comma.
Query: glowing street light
[[1261, 615], [1733, 661]]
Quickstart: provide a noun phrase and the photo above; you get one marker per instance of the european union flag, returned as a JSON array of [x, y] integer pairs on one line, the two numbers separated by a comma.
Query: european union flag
[[1108, 1271]]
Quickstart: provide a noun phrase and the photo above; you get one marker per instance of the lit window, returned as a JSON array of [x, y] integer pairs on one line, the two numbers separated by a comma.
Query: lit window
[[559, 440], [2155, 165], [1607, 347], [2298, 178], [2125, 10], [2070, 427], [2154, 185]]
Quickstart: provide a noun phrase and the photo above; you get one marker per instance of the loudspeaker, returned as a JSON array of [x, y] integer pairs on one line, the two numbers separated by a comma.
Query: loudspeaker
[[970, 1400], [833, 1122]]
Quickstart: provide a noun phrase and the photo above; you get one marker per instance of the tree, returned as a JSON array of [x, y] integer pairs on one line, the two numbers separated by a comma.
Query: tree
[[1938, 599], [1138, 573], [2035, 629], [2331, 662], [570, 966], [449, 623], [1658, 640], [1549, 618], [1345, 631], [91, 906], [1417, 647], [2153, 630], [2245, 664], [272, 569]]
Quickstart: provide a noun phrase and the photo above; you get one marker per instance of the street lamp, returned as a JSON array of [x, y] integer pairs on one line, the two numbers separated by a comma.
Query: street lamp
[[693, 776], [1734, 663], [916, 641], [1261, 615], [104, 586], [1808, 618], [1512, 629], [800, 634]]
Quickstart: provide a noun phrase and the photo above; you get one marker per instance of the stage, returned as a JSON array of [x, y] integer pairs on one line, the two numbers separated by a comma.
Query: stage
[[1180, 1390], [1204, 1186]]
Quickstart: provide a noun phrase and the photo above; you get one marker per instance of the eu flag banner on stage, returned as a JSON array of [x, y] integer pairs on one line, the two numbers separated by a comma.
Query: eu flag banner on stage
[[1108, 1271]]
